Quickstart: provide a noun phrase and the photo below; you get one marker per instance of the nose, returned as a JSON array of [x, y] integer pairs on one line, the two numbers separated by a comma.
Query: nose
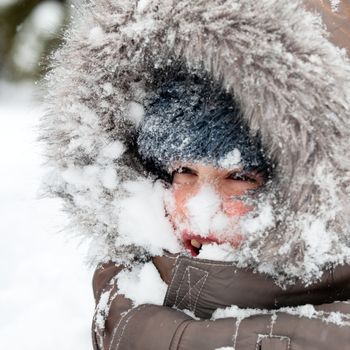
[[235, 208], [231, 207]]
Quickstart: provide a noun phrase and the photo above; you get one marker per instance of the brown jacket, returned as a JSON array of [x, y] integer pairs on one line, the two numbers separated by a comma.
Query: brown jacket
[[201, 286]]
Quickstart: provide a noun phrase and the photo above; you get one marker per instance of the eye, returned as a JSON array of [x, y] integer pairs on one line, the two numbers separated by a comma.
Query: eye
[[242, 176], [184, 170], [183, 175]]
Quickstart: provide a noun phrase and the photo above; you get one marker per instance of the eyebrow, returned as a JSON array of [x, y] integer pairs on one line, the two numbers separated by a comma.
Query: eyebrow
[[191, 170]]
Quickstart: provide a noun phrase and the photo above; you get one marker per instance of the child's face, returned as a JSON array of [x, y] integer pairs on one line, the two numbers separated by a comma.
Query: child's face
[[226, 184]]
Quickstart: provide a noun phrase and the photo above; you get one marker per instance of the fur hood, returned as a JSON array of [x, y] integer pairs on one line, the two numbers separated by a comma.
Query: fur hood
[[274, 56]]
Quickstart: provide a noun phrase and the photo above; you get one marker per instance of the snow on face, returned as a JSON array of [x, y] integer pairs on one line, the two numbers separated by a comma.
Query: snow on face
[[218, 252], [143, 221], [205, 218], [209, 215], [248, 228], [142, 218], [202, 208]]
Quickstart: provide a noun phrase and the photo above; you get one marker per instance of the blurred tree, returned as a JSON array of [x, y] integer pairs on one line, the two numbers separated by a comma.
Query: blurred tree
[[29, 30]]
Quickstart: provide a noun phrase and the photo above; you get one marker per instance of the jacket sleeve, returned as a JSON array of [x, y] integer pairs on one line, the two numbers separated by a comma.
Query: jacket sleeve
[[119, 325]]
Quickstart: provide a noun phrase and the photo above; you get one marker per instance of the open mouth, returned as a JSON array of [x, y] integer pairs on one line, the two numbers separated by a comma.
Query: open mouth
[[194, 243]]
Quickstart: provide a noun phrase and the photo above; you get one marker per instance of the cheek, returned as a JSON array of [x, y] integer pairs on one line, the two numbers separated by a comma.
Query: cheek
[[181, 194], [180, 198], [236, 208], [235, 188]]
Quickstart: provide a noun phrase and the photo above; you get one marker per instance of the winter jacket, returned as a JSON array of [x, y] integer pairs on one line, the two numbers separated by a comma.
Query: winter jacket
[[289, 70], [269, 317]]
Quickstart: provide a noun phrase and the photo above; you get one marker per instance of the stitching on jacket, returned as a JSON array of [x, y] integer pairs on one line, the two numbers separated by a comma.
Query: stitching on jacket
[[169, 256], [186, 322], [202, 280], [125, 319], [206, 274], [188, 272], [179, 287], [268, 336], [183, 260], [182, 333], [166, 300], [235, 335], [208, 262], [95, 343], [272, 322], [131, 314], [117, 326], [190, 288]]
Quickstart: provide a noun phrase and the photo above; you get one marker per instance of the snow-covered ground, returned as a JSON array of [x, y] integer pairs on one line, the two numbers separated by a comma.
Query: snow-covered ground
[[46, 299]]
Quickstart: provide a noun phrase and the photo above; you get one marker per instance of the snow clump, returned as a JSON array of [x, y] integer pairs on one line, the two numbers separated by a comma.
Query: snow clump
[[217, 252], [142, 284], [142, 218], [231, 160], [202, 209], [136, 113]]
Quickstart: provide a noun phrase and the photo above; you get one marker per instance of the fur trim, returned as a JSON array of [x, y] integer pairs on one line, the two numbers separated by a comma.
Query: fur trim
[[274, 56]]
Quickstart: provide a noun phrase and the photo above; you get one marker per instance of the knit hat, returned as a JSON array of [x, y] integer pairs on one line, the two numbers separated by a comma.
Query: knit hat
[[192, 119]]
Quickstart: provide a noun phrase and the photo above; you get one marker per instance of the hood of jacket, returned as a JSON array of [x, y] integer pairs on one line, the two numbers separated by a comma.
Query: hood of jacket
[[281, 64]]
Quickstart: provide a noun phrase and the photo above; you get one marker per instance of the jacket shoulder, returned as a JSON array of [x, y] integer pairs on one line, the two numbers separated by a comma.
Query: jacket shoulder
[[102, 276]]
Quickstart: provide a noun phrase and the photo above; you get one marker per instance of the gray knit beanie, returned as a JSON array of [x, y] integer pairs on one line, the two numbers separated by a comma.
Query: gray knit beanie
[[191, 119]]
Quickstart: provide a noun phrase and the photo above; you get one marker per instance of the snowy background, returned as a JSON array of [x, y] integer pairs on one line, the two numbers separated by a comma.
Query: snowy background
[[46, 299]]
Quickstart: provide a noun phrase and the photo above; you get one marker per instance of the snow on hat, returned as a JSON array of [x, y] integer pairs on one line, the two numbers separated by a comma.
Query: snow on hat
[[190, 120]]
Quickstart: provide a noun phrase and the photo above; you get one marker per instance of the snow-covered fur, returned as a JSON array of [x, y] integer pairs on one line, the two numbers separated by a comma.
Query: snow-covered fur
[[275, 58]]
